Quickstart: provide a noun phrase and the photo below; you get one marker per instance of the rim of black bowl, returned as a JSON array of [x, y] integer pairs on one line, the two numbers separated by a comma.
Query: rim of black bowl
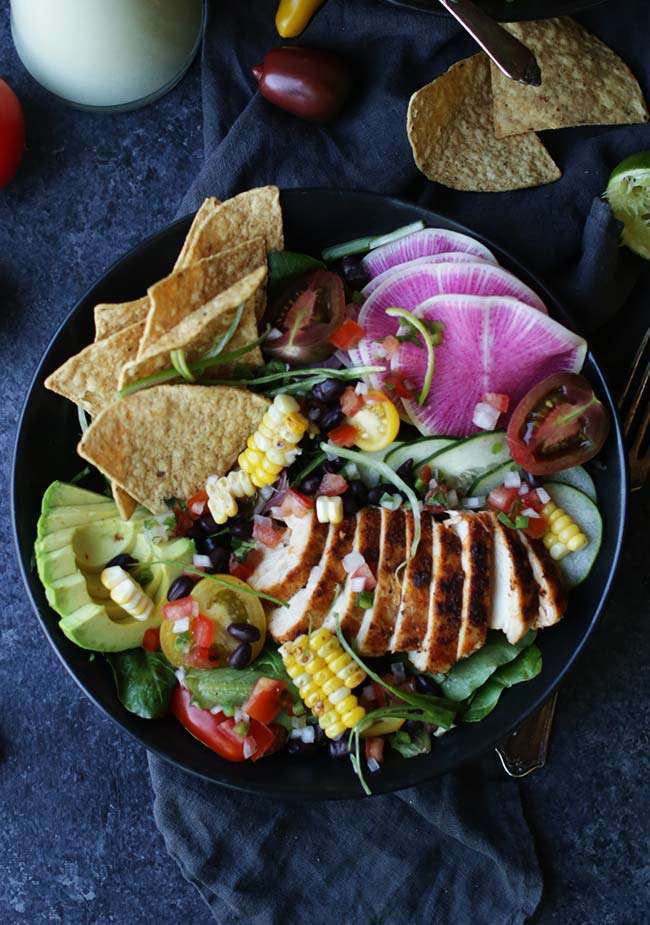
[[516, 11], [246, 776]]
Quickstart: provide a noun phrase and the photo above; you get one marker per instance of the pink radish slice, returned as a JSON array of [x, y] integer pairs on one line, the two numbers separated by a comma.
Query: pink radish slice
[[451, 257], [489, 345], [423, 243]]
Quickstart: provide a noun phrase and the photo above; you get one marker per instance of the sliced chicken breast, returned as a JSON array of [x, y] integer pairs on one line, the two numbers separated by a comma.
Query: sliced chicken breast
[[283, 570], [411, 623], [475, 533], [366, 541], [378, 621], [552, 594], [308, 607], [515, 596], [440, 646]]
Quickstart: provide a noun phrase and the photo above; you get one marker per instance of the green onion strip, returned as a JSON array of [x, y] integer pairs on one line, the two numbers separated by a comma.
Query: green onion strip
[[428, 343]]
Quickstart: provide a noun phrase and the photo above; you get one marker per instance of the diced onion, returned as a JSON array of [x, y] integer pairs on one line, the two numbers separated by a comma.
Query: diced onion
[[485, 416], [529, 512], [474, 503], [240, 716], [274, 334], [543, 495], [357, 584], [250, 747], [180, 675], [361, 388], [181, 626], [512, 479], [373, 765], [353, 561], [201, 561], [216, 709]]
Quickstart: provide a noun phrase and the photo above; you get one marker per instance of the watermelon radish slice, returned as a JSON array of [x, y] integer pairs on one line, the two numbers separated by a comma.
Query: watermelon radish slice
[[425, 243], [451, 257], [489, 345]]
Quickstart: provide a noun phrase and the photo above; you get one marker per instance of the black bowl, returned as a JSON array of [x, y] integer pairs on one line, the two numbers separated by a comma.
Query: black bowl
[[45, 450], [507, 12]]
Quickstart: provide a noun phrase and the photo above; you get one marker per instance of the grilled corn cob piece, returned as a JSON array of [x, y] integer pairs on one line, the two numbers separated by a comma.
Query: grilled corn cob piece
[[126, 592], [325, 675], [329, 510], [563, 535], [268, 451]]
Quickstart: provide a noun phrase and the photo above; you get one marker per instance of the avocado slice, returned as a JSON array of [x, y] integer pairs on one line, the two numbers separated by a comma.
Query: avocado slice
[[60, 494]]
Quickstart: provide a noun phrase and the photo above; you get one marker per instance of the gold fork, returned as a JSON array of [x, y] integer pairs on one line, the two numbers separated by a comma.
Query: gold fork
[[525, 750]]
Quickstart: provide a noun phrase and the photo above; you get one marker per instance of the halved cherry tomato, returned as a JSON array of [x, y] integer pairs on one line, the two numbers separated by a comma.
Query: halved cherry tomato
[[266, 700], [502, 498], [203, 631], [560, 423], [347, 335], [12, 133], [343, 435], [197, 503], [151, 639], [377, 423], [306, 314], [294, 504]]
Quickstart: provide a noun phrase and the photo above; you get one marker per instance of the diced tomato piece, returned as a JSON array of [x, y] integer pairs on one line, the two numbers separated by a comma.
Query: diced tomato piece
[[246, 568], [347, 335], [184, 521], [202, 657], [497, 400], [425, 474], [197, 503], [375, 748], [537, 527], [213, 730], [364, 572], [266, 699], [351, 402], [202, 631], [390, 344], [502, 498], [268, 739], [400, 386], [183, 607], [531, 500], [343, 435], [151, 639], [265, 532], [332, 484], [381, 697], [294, 504]]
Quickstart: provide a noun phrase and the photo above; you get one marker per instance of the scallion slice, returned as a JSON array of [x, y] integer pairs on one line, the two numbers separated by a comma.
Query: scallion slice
[[179, 362], [218, 348], [409, 318], [370, 242]]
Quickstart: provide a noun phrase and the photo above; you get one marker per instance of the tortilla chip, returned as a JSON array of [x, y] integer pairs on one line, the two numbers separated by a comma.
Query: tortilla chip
[[207, 208], [449, 125], [164, 442], [125, 504], [181, 293], [111, 318], [201, 329], [583, 82], [255, 213], [90, 378]]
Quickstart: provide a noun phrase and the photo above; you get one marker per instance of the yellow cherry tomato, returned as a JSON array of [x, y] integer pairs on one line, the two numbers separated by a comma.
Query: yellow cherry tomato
[[377, 422]]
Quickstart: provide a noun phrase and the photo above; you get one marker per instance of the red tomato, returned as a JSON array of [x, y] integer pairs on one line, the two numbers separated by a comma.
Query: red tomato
[[347, 335], [531, 499], [213, 730], [151, 639], [306, 313], [243, 569], [381, 696], [502, 498], [560, 423], [183, 607], [265, 532], [343, 435], [197, 503], [332, 484], [375, 748], [12, 133], [497, 400], [203, 631], [400, 386], [202, 658], [268, 739], [351, 402], [184, 522], [537, 527], [294, 504], [266, 700]]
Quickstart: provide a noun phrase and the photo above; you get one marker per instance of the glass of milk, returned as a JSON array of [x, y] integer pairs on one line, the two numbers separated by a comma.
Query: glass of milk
[[107, 54]]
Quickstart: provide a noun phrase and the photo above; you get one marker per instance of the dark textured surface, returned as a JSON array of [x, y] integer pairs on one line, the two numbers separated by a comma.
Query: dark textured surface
[[78, 842]]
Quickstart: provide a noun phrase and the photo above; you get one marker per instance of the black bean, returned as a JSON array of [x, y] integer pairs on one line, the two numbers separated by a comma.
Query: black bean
[[315, 412], [353, 272], [375, 494], [329, 390], [195, 532], [299, 749], [357, 488], [351, 504], [245, 632], [332, 465], [219, 557], [331, 419], [241, 656], [208, 524], [123, 559], [338, 748], [210, 543], [424, 684], [181, 587], [405, 471], [242, 529], [309, 486]]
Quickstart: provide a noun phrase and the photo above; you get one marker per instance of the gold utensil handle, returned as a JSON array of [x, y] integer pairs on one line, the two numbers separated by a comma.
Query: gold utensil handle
[[525, 749]]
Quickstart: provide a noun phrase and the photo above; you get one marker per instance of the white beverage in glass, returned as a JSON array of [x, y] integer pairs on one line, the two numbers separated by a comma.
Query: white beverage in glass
[[106, 53]]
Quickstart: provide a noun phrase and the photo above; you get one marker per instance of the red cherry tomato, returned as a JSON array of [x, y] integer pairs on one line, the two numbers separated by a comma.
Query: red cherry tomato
[[560, 423], [308, 82], [12, 133], [306, 313], [266, 700]]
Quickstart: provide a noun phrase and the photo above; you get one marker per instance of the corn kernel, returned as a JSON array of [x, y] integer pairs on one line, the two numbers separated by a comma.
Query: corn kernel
[[315, 664], [319, 638], [331, 685], [577, 542], [352, 718], [348, 703], [285, 404], [335, 730]]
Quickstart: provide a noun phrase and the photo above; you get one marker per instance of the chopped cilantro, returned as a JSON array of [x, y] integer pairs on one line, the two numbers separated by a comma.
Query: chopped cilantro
[[521, 522], [241, 547]]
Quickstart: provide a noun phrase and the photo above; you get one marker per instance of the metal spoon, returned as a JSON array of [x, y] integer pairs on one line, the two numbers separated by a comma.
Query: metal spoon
[[508, 53]]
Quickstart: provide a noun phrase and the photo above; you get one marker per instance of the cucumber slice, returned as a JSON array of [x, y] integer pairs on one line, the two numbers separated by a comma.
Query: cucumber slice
[[576, 566], [494, 477], [578, 478], [418, 450], [370, 476], [471, 456]]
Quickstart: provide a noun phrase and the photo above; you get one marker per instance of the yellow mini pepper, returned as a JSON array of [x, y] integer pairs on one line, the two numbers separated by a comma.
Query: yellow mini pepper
[[294, 15]]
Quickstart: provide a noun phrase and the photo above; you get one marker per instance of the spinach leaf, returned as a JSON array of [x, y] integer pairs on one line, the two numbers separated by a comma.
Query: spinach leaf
[[284, 265], [411, 744], [269, 663], [469, 674], [526, 666], [223, 687], [144, 680]]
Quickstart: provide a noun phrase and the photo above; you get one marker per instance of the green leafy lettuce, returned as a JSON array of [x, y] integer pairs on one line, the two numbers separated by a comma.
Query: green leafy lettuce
[[144, 681]]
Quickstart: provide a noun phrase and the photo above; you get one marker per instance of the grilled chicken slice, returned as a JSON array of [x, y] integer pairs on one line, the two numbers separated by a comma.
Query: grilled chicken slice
[[475, 533], [440, 644], [411, 623], [515, 597], [308, 607], [366, 541], [283, 570], [378, 621], [552, 595]]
